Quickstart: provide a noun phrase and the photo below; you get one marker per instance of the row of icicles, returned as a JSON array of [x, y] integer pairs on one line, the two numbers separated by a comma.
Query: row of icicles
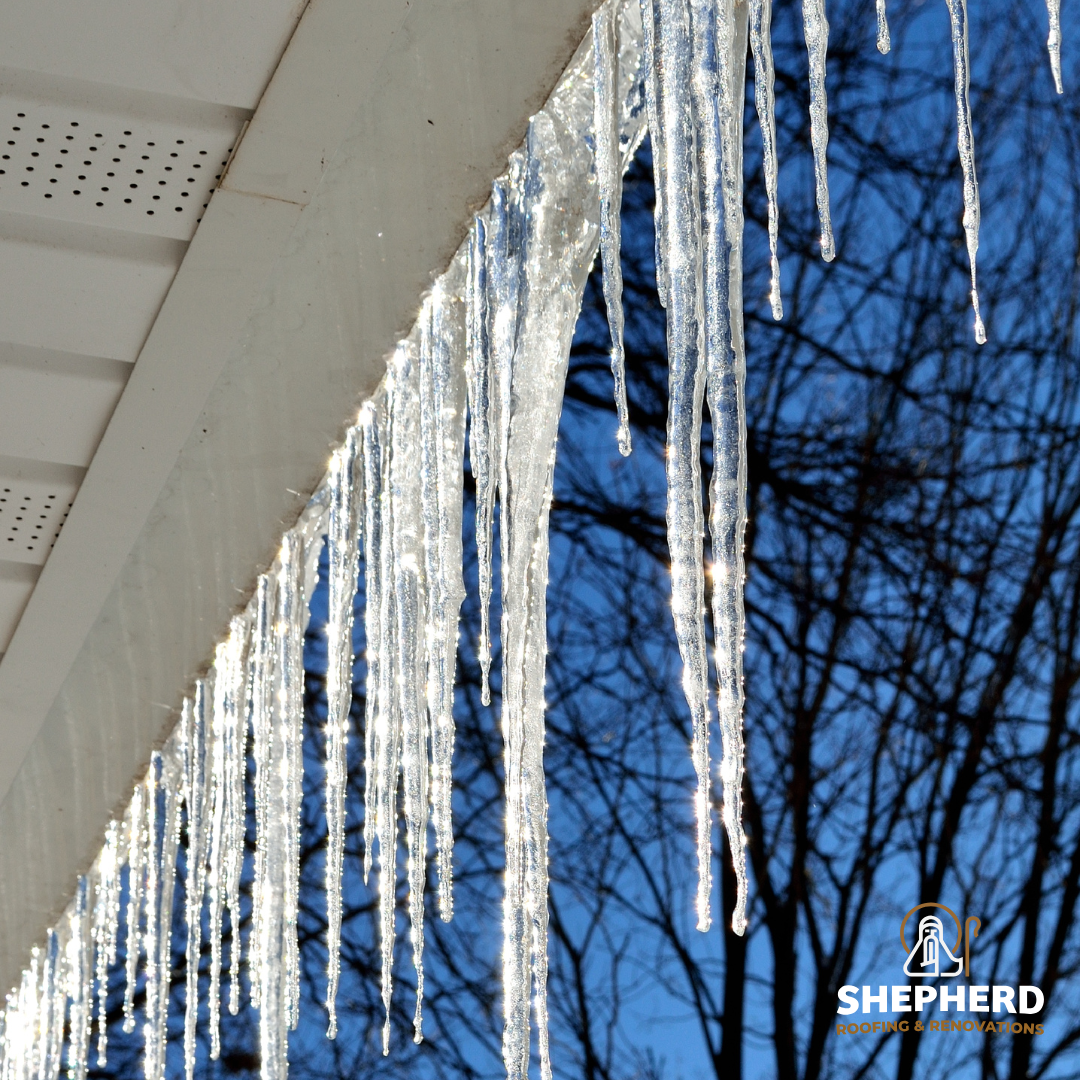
[[492, 342]]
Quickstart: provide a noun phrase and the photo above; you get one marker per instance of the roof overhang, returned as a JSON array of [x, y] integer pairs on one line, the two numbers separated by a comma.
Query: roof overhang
[[377, 138]]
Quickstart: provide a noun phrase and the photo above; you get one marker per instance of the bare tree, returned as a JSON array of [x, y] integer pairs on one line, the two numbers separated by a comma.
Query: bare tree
[[913, 642]]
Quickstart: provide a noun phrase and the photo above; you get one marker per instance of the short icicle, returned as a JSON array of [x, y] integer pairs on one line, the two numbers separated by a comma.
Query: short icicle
[[884, 41], [136, 847], [342, 577], [965, 143], [816, 31], [765, 104], [1053, 42], [606, 114]]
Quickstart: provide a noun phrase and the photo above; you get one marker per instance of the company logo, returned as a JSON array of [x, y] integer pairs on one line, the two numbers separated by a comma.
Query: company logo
[[930, 957], [936, 946]]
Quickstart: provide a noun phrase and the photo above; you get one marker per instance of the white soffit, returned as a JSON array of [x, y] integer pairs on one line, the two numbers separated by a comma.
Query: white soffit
[[377, 138]]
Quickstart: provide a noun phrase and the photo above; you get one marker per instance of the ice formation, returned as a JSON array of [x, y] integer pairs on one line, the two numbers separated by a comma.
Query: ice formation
[[492, 343]]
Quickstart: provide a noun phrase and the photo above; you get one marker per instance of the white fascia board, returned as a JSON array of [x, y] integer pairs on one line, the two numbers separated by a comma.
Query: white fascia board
[[377, 138]]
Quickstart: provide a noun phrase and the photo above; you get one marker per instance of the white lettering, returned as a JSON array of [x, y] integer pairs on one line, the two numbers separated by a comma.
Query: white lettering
[[977, 999], [849, 995], [881, 1000], [900, 995], [1034, 992], [923, 995], [956, 998], [1003, 999]]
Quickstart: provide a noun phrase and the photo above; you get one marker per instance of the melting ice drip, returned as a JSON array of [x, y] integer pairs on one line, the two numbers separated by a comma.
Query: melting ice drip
[[492, 341]]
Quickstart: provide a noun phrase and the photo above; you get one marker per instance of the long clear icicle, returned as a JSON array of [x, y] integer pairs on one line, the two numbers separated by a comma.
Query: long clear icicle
[[106, 922], [725, 381], [342, 569], [374, 500], [260, 665], [278, 709], [481, 433], [816, 31], [292, 619], [442, 432], [195, 724], [606, 116], [686, 388], [409, 600], [965, 143], [765, 103], [388, 731]]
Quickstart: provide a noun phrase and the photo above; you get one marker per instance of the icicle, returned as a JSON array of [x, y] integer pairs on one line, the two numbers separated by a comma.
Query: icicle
[[1053, 41], [540, 218], [765, 103], [277, 714], [725, 380], [216, 867], [79, 974], [481, 432], [442, 415], [21, 1021], [231, 674], [606, 111], [163, 826], [965, 143], [816, 31], [374, 539], [106, 921], [293, 619], [649, 52], [686, 379], [409, 599], [884, 42], [136, 846], [343, 569], [228, 817], [53, 1002], [388, 731], [194, 726], [260, 663]]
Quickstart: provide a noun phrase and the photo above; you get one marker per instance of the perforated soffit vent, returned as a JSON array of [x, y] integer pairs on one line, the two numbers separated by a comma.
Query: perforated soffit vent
[[149, 176], [35, 498]]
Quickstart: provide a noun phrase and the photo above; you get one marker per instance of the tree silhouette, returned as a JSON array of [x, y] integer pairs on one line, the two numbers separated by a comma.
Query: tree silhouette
[[913, 634]]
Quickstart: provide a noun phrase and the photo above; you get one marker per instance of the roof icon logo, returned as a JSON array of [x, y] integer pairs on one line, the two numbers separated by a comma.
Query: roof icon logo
[[931, 956]]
